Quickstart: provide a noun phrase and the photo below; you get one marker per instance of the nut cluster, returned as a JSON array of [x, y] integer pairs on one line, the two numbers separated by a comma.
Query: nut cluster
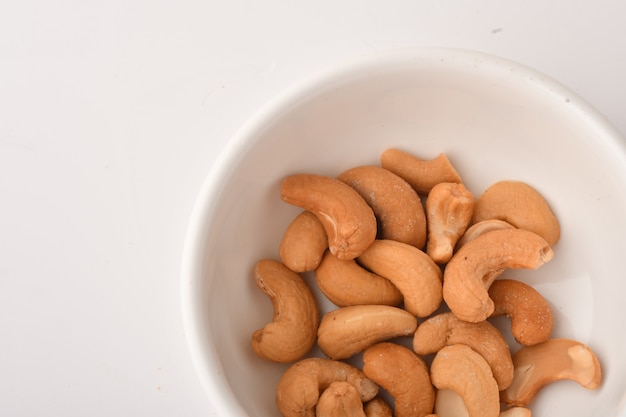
[[405, 250]]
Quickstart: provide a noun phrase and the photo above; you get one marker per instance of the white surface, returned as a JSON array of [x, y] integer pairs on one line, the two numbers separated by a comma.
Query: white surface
[[112, 114]]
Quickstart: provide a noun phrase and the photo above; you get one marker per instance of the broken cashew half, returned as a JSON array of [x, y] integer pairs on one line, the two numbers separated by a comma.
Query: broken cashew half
[[396, 204], [349, 330], [299, 389], [411, 270], [346, 283], [304, 243], [378, 408], [445, 329], [461, 369], [340, 399], [293, 329], [422, 174], [404, 375], [547, 362], [481, 228], [349, 222], [530, 313], [473, 268]]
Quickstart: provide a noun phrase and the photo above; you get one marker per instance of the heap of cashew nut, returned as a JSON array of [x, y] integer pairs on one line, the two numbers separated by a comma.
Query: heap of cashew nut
[[405, 241]]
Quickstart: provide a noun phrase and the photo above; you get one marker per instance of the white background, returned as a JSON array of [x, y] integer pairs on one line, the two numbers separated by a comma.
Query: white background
[[111, 116]]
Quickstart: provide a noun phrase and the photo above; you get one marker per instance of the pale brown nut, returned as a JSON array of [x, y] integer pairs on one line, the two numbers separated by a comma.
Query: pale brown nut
[[516, 412], [293, 330], [461, 369], [411, 270], [422, 174], [520, 205], [299, 388], [481, 228], [449, 208], [396, 204], [303, 244], [344, 332], [404, 375], [349, 222], [473, 268], [346, 283], [340, 399], [378, 408], [553, 360], [530, 313], [450, 404], [445, 329]]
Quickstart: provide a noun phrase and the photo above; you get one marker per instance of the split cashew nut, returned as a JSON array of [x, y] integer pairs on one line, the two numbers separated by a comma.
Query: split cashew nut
[[349, 222], [303, 244], [378, 408], [472, 269], [340, 399], [481, 228], [293, 329], [349, 330]]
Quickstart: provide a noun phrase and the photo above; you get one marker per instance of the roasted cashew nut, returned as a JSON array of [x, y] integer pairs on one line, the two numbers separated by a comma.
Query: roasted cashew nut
[[481, 228], [449, 208], [378, 408], [411, 270], [346, 283], [340, 399], [445, 329], [299, 389], [461, 369], [520, 205], [473, 268], [530, 313], [547, 362], [349, 222], [344, 332], [450, 404], [422, 174], [293, 330], [404, 375], [304, 243], [396, 204]]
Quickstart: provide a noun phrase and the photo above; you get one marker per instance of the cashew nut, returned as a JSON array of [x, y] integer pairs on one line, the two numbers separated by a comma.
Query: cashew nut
[[473, 268], [461, 369], [349, 222], [404, 375], [450, 404], [340, 399], [481, 228], [445, 329], [547, 362], [530, 313], [293, 329], [516, 412], [378, 408], [411, 270], [521, 205], [449, 208], [299, 389], [345, 283], [349, 330], [422, 174], [396, 204], [303, 244]]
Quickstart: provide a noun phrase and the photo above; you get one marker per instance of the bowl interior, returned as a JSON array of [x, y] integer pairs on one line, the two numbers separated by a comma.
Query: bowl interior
[[495, 120]]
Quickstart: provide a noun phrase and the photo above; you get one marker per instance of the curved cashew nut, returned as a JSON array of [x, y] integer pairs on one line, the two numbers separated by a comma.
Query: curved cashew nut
[[340, 399], [344, 332], [450, 404], [521, 205], [445, 329], [378, 408], [345, 283], [530, 313], [481, 228], [461, 369], [396, 204], [404, 375], [449, 208], [303, 244], [473, 268], [422, 174], [349, 222], [293, 329], [411, 270], [299, 389], [553, 360]]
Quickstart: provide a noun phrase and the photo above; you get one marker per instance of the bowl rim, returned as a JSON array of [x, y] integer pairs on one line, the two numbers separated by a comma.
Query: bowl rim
[[204, 358]]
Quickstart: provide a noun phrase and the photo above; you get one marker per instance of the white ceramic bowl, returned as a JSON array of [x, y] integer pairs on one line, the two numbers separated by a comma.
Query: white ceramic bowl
[[495, 120]]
